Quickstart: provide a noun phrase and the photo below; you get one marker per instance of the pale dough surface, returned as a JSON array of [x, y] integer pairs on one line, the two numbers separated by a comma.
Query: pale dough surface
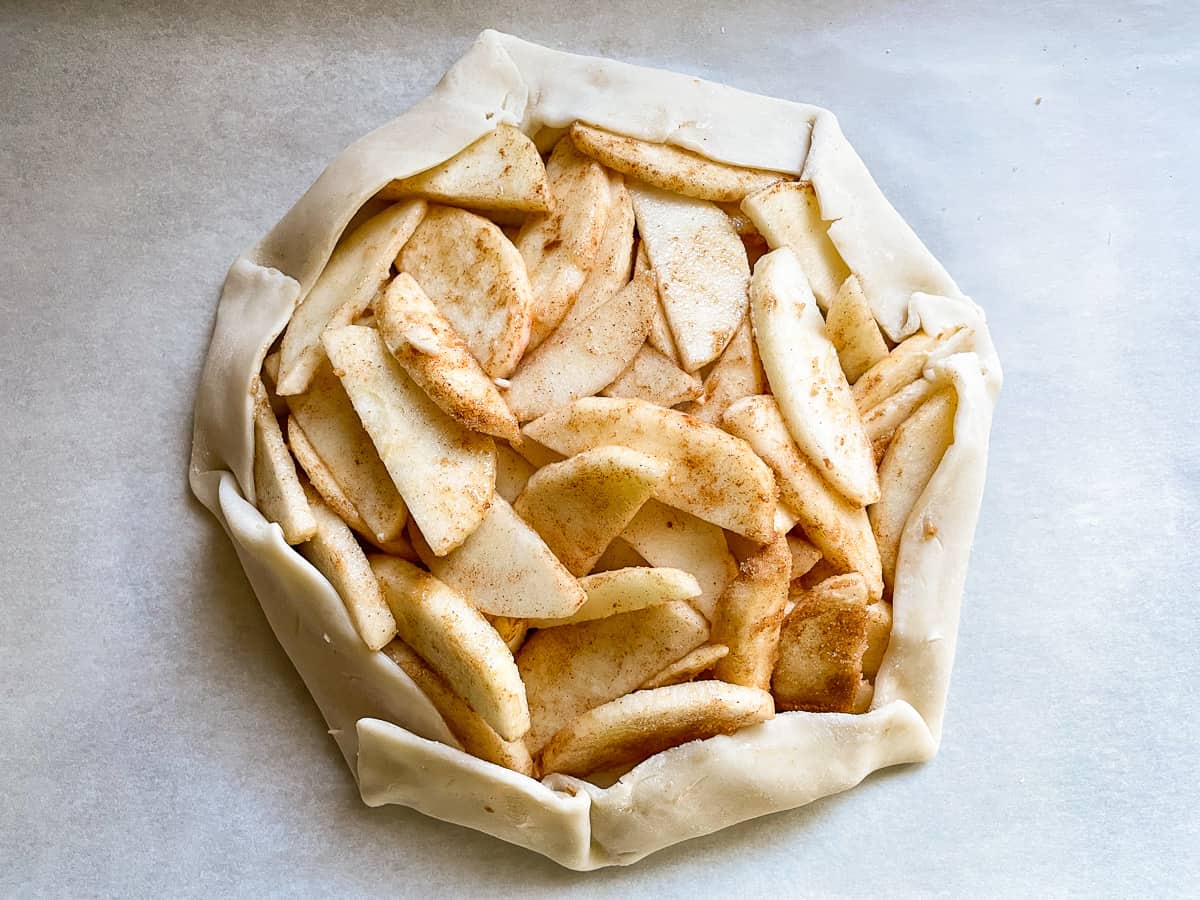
[[378, 717]]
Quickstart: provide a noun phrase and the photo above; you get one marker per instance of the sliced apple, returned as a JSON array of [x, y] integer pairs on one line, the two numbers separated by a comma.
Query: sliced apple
[[749, 614], [501, 171], [327, 418], [839, 529], [853, 331], [670, 168], [659, 336], [336, 555], [806, 378], [505, 569], [358, 267], [476, 278], [736, 374], [879, 634], [821, 648], [624, 590], [457, 642], [788, 215], [713, 475], [472, 731], [804, 556], [884, 418], [653, 377], [559, 247], [572, 669], [438, 359], [898, 369], [445, 473], [513, 472], [580, 504], [578, 361], [628, 730], [672, 538], [701, 269], [912, 457], [686, 669], [619, 555], [614, 258], [277, 488]]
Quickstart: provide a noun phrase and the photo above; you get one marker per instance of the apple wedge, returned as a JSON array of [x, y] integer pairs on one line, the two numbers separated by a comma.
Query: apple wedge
[[277, 488], [580, 504], [659, 336], [736, 374], [897, 370], [788, 215], [670, 168], [853, 331], [879, 634], [653, 377], [686, 669], [634, 727], [476, 278], [357, 269], [445, 473], [578, 361], [749, 614], [572, 669], [457, 642], [336, 555], [437, 359], [624, 590], [884, 418], [804, 556], [501, 171], [329, 422], [806, 377], [513, 472], [821, 648], [672, 538], [613, 265], [839, 529], [472, 731], [505, 569], [701, 269], [560, 246], [712, 475], [911, 459]]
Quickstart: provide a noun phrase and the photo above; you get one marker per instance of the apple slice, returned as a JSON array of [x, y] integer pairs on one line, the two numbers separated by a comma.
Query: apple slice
[[804, 556], [513, 472], [712, 474], [737, 374], [572, 669], [839, 529], [445, 473], [701, 268], [749, 614], [670, 168], [898, 369], [437, 359], [624, 590], [788, 215], [580, 504], [667, 537], [806, 377], [614, 258], [559, 247], [277, 488], [631, 728], [476, 278], [653, 377], [457, 642], [686, 669], [505, 569], [502, 170], [329, 422], [853, 331], [578, 361], [659, 337], [358, 267], [911, 459]]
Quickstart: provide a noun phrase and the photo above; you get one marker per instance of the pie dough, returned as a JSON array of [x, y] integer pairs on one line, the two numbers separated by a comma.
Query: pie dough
[[392, 738]]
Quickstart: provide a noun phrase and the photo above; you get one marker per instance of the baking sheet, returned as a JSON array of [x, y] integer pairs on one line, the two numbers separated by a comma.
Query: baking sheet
[[156, 740]]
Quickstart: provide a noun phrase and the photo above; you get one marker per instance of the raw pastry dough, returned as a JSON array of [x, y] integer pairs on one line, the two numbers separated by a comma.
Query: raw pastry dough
[[390, 734]]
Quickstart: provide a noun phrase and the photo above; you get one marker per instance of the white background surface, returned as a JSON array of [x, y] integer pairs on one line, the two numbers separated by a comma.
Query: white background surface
[[155, 741]]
